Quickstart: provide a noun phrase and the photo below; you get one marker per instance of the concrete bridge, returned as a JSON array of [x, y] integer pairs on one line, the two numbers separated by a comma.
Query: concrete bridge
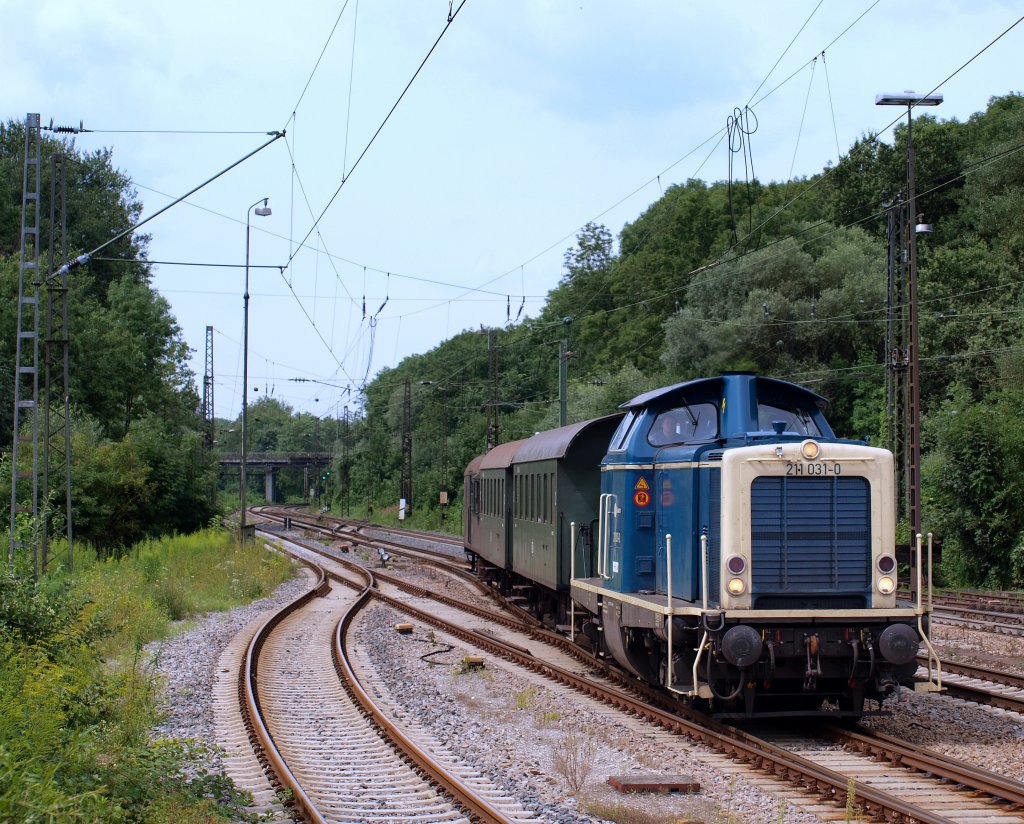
[[269, 462]]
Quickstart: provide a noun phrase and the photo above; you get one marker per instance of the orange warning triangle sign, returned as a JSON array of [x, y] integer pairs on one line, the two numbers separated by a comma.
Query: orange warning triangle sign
[[641, 484]]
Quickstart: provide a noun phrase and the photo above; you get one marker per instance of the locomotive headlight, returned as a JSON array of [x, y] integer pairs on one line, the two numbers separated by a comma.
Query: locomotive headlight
[[886, 585], [886, 564], [810, 450], [735, 564], [736, 586]]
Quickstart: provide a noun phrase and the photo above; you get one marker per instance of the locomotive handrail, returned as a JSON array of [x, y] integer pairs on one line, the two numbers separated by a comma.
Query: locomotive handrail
[[668, 561], [572, 577], [602, 547], [932, 654], [695, 688], [704, 567]]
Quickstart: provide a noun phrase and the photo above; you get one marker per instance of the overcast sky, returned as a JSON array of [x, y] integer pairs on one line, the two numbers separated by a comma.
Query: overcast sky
[[530, 118]]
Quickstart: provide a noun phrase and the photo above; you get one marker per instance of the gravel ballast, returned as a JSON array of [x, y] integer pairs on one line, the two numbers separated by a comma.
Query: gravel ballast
[[515, 728]]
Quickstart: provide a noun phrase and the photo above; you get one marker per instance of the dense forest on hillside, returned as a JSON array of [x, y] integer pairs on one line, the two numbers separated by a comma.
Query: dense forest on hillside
[[788, 279]]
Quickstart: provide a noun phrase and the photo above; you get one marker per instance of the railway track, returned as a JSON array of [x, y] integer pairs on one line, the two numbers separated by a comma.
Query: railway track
[[897, 798], [326, 745], [982, 685], [369, 535]]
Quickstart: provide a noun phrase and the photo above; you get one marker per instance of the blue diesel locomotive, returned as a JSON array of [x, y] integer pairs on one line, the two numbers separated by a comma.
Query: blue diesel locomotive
[[716, 539]]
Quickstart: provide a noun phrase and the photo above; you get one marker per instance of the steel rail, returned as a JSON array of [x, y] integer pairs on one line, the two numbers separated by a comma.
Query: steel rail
[[897, 752], [477, 806], [365, 540], [1013, 630], [1008, 679], [980, 695], [449, 783], [259, 735], [440, 537]]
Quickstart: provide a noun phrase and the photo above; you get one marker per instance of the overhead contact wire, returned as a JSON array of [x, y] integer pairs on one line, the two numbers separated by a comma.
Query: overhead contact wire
[[380, 128]]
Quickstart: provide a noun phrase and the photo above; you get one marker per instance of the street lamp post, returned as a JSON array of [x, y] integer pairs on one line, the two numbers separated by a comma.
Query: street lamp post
[[261, 211], [911, 100]]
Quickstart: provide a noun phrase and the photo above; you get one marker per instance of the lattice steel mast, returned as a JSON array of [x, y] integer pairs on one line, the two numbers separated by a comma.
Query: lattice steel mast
[[26, 359], [208, 421]]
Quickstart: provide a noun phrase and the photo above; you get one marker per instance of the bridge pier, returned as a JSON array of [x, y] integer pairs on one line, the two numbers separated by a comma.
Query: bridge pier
[[268, 484]]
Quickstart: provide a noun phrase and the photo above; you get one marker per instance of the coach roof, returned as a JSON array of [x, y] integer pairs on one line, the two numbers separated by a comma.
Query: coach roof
[[501, 456], [555, 443]]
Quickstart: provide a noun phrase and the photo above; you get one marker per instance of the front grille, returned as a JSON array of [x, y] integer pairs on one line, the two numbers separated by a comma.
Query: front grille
[[810, 535], [811, 602]]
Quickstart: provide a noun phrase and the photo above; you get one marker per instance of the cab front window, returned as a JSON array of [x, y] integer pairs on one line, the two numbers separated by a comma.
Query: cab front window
[[794, 420], [690, 423]]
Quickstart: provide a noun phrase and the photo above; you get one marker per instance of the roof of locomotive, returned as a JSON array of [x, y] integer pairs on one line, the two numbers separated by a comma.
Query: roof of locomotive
[[555, 443], [714, 386], [501, 456]]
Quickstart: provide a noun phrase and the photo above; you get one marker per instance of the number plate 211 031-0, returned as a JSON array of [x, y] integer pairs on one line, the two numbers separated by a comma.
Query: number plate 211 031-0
[[813, 469]]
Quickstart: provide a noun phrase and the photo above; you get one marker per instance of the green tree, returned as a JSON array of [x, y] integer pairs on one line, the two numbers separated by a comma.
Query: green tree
[[112, 490], [802, 311], [100, 204], [973, 480]]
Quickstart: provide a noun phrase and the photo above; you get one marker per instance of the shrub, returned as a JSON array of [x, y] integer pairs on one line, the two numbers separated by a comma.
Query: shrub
[[573, 757], [77, 701]]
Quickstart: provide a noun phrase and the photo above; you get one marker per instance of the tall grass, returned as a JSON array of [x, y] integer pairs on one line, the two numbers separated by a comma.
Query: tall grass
[[77, 699], [135, 599]]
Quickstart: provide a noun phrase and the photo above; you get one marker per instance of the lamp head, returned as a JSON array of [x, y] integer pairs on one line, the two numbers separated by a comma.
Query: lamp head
[[907, 98], [263, 211]]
